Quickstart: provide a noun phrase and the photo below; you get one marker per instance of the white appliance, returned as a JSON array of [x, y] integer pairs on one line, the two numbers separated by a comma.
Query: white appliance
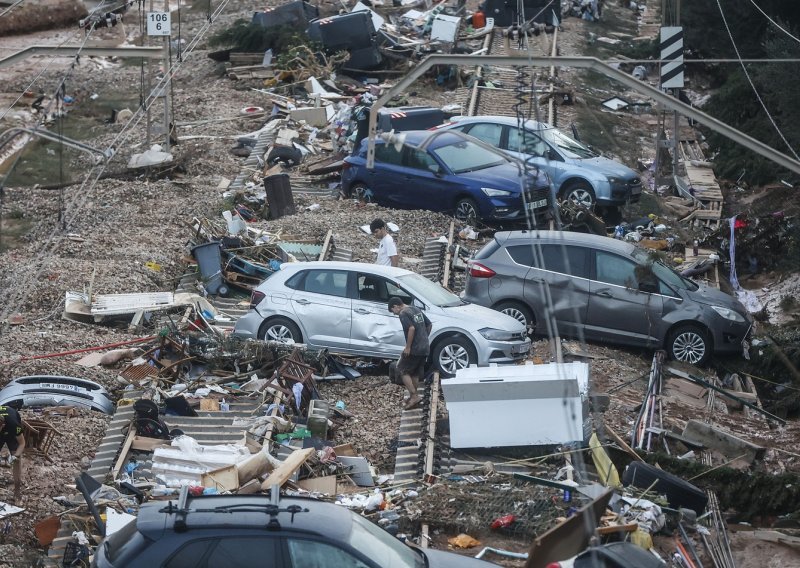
[[519, 405]]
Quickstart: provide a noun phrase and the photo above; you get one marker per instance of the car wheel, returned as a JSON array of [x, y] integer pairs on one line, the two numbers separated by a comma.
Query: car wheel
[[679, 493], [580, 193], [285, 155], [689, 344], [281, 329], [361, 192], [466, 211], [453, 353], [518, 311]]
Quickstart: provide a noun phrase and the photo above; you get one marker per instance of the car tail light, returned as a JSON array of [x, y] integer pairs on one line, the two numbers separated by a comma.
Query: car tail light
[[256, 297], [478, 270], [554, 565]]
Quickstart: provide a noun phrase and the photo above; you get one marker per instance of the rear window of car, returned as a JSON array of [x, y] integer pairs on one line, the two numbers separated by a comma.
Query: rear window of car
[[487, 250]]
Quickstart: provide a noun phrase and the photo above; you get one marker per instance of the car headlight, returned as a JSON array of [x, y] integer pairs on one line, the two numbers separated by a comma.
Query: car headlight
[[728, 314], [496, 334], [491, 192], [615, 181]]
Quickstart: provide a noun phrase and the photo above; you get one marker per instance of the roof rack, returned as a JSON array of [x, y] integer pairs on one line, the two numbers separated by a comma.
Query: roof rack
[[181, 511]]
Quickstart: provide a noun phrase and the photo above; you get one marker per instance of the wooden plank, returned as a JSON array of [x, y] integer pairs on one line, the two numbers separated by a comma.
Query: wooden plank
[[123, 453], [448, 255], [148, 444], [623, 444], [283, 472], [222, 479], [325, 484], [325, 244]]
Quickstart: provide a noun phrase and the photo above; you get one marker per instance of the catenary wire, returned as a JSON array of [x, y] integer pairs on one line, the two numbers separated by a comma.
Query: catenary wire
[[752, 86], [773, 22]]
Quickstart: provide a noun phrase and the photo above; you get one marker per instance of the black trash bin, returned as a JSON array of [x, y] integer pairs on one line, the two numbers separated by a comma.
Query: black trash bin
[[209, 261], [280, 200]]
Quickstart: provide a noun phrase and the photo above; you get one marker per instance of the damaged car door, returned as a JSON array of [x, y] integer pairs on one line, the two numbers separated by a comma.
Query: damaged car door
[[374, 328], [558, 285], [323, 309], [624, 304]]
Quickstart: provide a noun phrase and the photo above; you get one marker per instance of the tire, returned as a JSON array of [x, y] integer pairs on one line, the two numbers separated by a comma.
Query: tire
[[689, 344], [580, 193], [679, 493], [284, 155], [518, 311], [612, 216], [281, 329], [453, 353], [466, 211], [361, 192]]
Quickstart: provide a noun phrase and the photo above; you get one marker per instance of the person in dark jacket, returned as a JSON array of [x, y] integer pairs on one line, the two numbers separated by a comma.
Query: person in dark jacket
[[11, 436], [416, 329]]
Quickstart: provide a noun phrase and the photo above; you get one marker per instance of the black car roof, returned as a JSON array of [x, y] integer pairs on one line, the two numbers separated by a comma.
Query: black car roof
[[208, 512]]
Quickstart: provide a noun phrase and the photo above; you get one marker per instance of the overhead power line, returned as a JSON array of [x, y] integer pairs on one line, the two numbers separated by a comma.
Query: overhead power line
[[752, 86], [773, 22]]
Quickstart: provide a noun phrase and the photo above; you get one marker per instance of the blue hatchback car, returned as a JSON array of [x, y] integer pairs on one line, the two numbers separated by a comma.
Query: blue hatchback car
[[451, 173]]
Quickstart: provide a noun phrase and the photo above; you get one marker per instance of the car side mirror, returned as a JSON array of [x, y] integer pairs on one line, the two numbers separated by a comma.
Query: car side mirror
[[435, 169], [417, 304]]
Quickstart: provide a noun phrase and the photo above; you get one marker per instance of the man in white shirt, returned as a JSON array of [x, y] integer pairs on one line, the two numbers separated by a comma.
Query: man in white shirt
[[387, 250]]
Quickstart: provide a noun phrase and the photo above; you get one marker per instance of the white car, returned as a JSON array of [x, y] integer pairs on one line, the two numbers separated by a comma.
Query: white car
[[343, 307]]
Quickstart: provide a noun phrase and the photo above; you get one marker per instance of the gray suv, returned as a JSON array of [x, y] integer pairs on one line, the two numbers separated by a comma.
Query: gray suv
[[578, 173], [604, 290]]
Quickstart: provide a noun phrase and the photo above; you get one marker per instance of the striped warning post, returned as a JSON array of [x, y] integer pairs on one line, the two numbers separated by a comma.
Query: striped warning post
[[672, 57]]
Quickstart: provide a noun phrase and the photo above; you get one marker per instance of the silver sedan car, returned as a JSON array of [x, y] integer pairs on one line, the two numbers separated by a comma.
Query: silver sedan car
[[342, 306]]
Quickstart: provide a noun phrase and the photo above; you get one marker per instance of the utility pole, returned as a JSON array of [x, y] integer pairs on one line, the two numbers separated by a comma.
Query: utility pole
[[159, 24], [671, 68]]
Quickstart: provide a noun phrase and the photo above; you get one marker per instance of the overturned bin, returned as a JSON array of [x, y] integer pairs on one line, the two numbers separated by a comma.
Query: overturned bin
[[280, 201], [520, 405]]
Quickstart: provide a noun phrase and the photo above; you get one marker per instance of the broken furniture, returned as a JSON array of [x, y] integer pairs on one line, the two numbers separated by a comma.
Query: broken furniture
[[294, 371], [168, 359], [39, 436]]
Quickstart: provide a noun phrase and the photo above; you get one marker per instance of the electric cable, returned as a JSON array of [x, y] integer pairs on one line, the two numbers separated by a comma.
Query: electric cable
[[752, 86], [14, 5], [773, 22]]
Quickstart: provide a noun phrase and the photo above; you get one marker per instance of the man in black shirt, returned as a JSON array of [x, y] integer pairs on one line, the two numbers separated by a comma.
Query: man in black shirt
[[416, 328], [11, 436]]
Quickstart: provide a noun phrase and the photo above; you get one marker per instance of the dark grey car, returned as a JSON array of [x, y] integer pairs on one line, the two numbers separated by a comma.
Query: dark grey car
[[605, 290], [251, 530]]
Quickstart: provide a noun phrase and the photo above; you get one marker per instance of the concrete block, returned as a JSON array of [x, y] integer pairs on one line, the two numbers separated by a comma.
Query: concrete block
[[724, 442]]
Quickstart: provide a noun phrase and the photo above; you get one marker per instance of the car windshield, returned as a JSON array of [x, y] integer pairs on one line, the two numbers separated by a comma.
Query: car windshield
[[429, 291], [382, 547], [664, 273], [572, 148], [466, 156]]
